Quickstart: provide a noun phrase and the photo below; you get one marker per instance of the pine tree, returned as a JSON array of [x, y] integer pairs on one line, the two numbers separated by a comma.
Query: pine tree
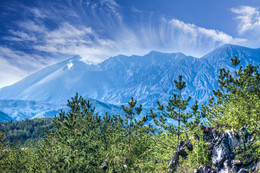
[[235, 61], [135, 130], [74, 144], [174, 110]]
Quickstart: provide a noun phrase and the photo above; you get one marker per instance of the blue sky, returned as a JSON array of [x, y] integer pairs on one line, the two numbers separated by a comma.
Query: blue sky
[[38, 33]]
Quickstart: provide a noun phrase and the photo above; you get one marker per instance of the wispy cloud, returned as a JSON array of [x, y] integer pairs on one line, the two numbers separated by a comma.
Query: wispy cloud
[[193, 39], [20, 36], [249, 18], [36, 12], [249, 23], [15, 65]]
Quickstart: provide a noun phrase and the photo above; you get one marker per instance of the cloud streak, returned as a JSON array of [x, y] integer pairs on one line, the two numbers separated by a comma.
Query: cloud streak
[[248, 17], [15, 65], [249, 23]]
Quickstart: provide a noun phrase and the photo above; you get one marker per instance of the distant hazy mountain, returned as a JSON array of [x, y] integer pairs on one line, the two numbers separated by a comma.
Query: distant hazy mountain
[[20, 109], [4, 117], [147, 78]]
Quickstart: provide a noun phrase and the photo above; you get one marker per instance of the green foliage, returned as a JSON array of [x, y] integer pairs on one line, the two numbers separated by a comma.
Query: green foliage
[[248, 149], [236, 103], [3, 149], [25, 129], [200, 154], [81, 141], [164, 146], [75, 138]]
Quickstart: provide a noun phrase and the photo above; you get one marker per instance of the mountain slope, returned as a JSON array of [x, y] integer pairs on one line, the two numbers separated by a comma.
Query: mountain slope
[[4, 117], [20, 109], [148, 78]]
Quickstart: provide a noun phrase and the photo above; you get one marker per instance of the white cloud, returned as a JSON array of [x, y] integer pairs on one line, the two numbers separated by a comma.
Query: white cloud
[[68, 39], [22, 60], [20, 36], [170, 35], [31, 26], [175, 35], [248, 17], [194, 32], [37, 12]]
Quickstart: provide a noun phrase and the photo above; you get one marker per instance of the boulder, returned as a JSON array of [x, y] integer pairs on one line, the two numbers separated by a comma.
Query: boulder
[[225, 147], [227, 167]]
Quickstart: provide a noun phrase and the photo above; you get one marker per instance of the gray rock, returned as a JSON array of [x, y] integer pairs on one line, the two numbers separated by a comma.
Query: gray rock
[[224, 148], [227, 166], [248, 160], [210, 134], [243, 171], [257, 167], [234, 169], [236, 162], [180, 151], [205, 169]]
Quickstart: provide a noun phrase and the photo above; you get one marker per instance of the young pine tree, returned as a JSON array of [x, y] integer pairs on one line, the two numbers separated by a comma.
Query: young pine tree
[[174, 110], [135, 131]]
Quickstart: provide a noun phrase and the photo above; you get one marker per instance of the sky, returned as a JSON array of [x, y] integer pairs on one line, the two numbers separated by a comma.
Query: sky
[[38, 33]]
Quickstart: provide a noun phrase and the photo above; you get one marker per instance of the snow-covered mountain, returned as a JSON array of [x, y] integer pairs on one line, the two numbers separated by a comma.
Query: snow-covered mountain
[[147, 78]]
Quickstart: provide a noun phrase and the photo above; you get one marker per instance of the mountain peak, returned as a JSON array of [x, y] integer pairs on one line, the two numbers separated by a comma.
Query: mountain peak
[[154, 52], [228, 51], [232, 46]]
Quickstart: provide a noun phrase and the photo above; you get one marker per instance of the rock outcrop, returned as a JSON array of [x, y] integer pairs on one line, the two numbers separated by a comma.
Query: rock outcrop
[[223, 148]]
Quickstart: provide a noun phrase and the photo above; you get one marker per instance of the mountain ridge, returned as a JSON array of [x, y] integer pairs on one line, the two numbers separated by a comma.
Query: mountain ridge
[[148, 78]]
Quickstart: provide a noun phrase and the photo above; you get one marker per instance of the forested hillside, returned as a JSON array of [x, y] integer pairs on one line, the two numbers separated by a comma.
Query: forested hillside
[[20, 131]]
